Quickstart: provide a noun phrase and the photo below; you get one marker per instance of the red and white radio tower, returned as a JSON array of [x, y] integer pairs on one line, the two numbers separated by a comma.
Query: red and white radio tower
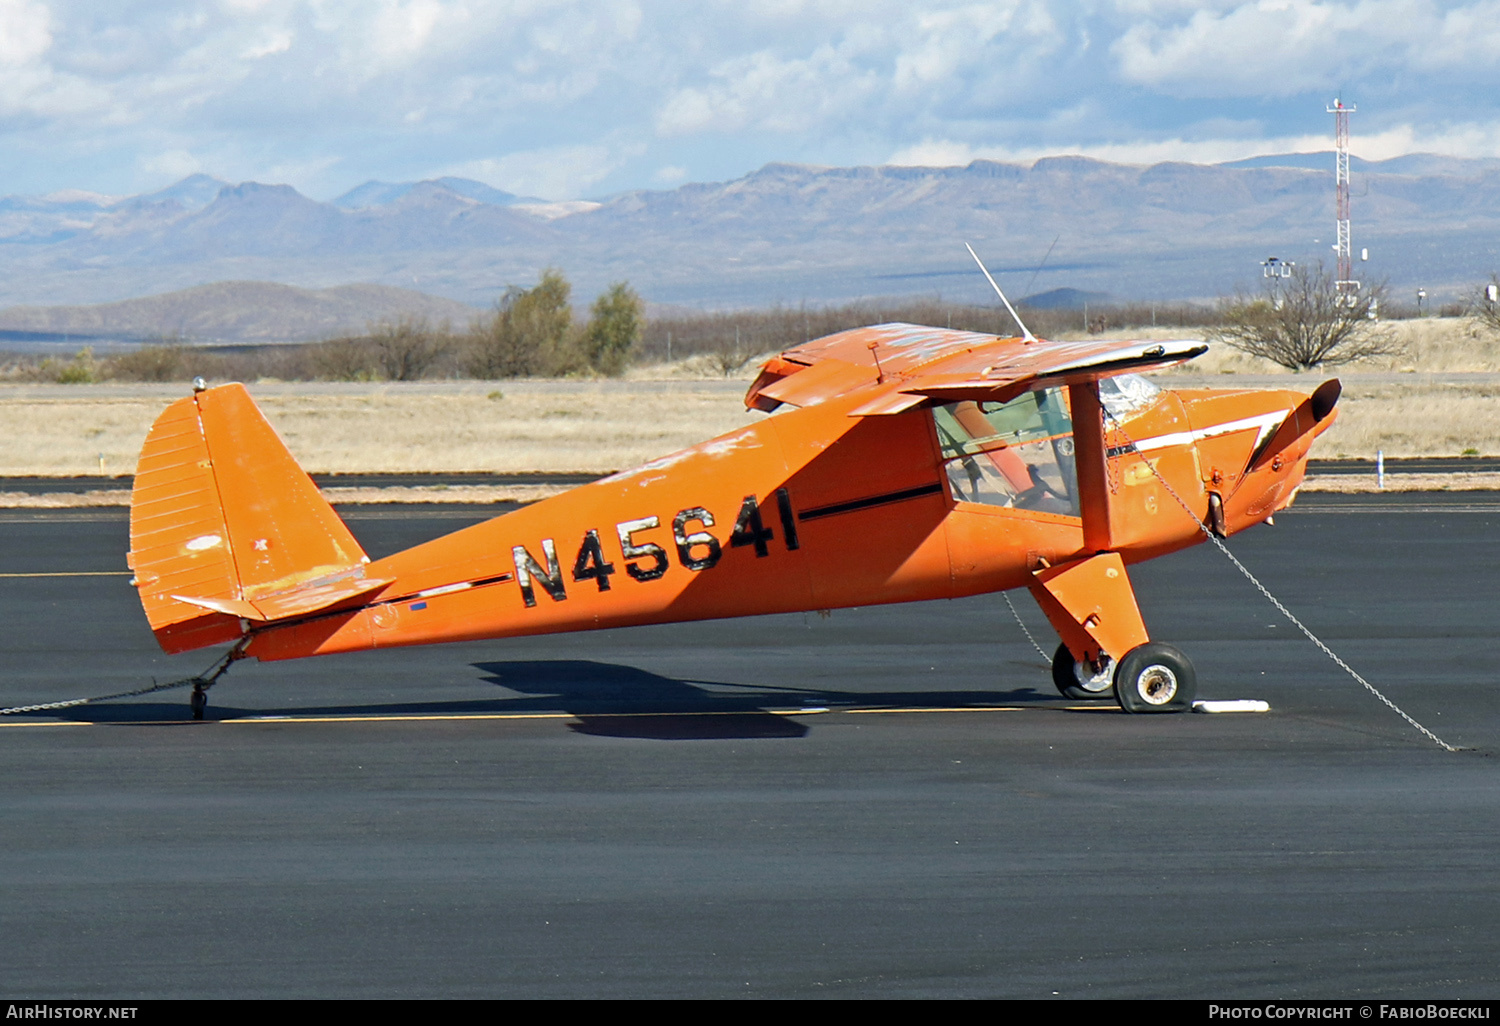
[[1345, 246]]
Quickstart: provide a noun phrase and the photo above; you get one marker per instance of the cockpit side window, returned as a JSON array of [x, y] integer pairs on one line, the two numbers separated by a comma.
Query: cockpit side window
[[1017, 454]]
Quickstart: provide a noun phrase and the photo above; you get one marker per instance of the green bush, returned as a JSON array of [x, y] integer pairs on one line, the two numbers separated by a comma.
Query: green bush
[[527, 334], [613, 330]]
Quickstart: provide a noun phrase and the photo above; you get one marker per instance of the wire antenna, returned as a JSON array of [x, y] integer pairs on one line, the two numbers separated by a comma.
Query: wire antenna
[[1025, 331], [1039, 266]]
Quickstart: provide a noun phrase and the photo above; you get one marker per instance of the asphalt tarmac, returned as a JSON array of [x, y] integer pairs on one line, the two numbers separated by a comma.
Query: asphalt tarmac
[[886, 802]]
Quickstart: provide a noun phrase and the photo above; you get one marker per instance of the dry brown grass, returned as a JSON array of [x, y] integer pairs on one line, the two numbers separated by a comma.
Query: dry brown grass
[[1443, 398], [1432, 345], [589, 427], [1440, 397], [1417, 418], [571, 427], [1350, 483], [339, 495], [65, 500]]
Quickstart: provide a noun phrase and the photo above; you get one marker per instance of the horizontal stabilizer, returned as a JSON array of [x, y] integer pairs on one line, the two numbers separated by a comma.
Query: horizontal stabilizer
[[291, 604]]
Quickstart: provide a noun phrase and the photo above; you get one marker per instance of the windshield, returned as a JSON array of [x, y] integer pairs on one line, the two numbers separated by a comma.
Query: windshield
[[1126, 394]]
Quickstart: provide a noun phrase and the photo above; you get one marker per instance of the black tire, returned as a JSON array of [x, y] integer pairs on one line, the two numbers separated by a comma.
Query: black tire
[[1155, 678], [198, 703], [1066, 675]]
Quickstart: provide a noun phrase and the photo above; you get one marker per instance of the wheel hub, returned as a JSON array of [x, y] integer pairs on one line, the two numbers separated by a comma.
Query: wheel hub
[[1095, 683]]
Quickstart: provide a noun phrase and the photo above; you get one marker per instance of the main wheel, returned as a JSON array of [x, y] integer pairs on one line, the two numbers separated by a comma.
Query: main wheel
[[198, 702], [1078, 681], [1155, 678]]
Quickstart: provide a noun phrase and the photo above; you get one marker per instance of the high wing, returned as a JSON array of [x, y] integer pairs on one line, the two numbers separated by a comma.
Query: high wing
[[897, 367]]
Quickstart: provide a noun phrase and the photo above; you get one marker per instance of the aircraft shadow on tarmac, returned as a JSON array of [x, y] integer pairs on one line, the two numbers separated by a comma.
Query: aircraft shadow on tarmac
[[608, 700], [624, 701]]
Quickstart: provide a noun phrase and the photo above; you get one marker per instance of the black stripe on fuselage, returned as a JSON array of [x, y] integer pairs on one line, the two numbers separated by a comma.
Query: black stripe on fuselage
[[875, 500]]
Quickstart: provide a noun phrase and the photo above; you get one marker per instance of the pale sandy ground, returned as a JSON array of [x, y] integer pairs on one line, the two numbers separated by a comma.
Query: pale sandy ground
[[582, 426], [1441, 399]]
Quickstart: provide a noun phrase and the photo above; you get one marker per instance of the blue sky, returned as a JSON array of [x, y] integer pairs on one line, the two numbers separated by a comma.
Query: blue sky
[[566, 99]]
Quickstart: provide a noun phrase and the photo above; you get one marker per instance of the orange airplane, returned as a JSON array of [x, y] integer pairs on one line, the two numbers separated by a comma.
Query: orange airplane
[[902, 463]]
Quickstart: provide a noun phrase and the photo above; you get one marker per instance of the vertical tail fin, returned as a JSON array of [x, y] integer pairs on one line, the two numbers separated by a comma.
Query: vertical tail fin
[[226, 529]]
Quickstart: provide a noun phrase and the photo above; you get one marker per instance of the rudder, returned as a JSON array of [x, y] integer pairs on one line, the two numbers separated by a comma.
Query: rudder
[[226, 528]]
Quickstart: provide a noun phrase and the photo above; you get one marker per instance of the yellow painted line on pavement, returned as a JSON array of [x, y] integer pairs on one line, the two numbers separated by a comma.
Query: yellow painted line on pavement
[[75, 573], [44, 723], [461, 717], [395, 718], [454, 717], [404, 718], [942, 709]]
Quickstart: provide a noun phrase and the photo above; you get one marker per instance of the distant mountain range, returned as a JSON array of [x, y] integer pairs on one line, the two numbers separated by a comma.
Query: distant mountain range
[[784, 234], [230, 311]]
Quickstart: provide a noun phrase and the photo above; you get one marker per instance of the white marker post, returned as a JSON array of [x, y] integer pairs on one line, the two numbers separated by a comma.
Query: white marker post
[[1380, 470], [1233, 705]]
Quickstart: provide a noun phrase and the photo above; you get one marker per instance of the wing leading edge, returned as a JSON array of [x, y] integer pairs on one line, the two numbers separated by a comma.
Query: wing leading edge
[[897, 367]]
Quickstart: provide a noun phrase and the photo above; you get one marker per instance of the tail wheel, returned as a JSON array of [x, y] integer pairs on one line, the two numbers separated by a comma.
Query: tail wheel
[[1155, 678], [1079, 681]]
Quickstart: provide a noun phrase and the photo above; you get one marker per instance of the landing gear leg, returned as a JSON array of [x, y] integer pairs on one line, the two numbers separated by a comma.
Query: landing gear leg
[[1091, 605], [199, 700]]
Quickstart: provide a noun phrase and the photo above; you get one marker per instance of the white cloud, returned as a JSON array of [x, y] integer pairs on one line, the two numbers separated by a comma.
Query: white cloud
[[887, 62], [764, 91], [174, 164], [1271, 48], [405, 28], [276, 41], [1467, 37], [946, 153], [541, 95], [553, 173], [299, 170], [1471, 140], [25, 32], [941, 42]]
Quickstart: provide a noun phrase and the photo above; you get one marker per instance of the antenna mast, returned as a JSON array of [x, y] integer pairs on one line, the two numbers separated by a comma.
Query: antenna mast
[[1026, 334], [1345, 245]]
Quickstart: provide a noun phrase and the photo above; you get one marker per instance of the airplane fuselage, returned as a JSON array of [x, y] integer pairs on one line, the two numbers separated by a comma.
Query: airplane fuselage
[[813, 508]]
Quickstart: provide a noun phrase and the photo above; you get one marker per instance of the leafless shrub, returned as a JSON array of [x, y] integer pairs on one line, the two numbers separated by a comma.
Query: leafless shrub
[[82, 369], [730, 338], [344, 359], [406, 349], [1484, 304], [165, 361], [531, 332], [1305, 321]]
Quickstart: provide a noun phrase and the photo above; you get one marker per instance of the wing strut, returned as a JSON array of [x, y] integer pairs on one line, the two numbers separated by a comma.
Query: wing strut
[[1089, 449]]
